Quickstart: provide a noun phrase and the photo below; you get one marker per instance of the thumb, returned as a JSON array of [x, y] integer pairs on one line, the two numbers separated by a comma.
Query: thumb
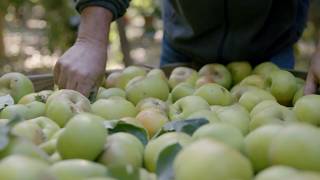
[[311, 84]]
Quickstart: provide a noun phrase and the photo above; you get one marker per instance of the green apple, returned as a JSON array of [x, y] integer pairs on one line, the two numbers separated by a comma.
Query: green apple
[[14, 111], [152, 120], [122, 149], [282, 85], [185, 106], [277, 173], [235, 115], [114, 108], [110, 92], [35, 109], [158, 72], [62, 105], [273, 114], [239, 70], [15, 84], [238, 90], [22, 146], [264, 69], [299, 94], [218, 73], [83, 137], [251, 98], [132, 121], [182, 74], [50, 146], [145, 175], [211, 116], [257, 144], [306, 176], [41, 96], [208, 159], [297, 145], [17, 167], [306, 109], [128, 74], [112, 79], [222, 132], [77, 169], [182, 90], [215, 94], [156, 146], [144, 87], [263, 105], [254, 80], [100, 178], [153, 103]]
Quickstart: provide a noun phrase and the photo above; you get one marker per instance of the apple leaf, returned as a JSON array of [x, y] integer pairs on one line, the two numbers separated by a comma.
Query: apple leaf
[[165, 162], [120, 126], [5, 101], [124, 172], [187, 126]]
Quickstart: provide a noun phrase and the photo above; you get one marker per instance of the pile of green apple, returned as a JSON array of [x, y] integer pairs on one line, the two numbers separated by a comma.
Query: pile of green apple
[[258, 126]]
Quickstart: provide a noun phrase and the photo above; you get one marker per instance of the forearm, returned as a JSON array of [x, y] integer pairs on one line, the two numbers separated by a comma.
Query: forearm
[[94, 26]]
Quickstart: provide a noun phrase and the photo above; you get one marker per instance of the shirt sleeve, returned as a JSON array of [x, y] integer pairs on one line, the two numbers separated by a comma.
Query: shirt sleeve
[[117, 7]]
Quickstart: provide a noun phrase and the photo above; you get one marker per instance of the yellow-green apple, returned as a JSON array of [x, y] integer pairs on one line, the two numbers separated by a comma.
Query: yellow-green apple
[[185, 106], [17, 167], [254, 80], [62, 105], [272, 114], [114, 108], [36, 130], [144, 87], [35, 109], [156, 146], [235, 115], [128, 74], [263, 105], [41, 96], [77, 169], [183, 74], [238, 90], [257, 145], [299, 94], [152, 120], [22, 146], [15, 84], [239, 70], [264, 69], [277, 173], [112, 79], [211, 116], [104, 93], [214, 94], [306, 109], [216, 73], [153, 103], [252, 97], [207, 159], [50, 146], [122, 149], [222, 132], [282, 85], [83, 137], [159, 73], [14, 111], [182, 90], [297, 145]]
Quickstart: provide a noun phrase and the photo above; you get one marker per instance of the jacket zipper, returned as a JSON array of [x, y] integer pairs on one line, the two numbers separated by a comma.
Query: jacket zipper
[[226, 30]]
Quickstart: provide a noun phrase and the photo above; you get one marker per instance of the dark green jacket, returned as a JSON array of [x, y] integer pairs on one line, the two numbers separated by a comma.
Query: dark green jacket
[[225, 30]]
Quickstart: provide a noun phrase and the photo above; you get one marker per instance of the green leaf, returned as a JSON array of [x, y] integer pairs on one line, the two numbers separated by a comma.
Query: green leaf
[[165, 162], [121, 126], [187, 126]]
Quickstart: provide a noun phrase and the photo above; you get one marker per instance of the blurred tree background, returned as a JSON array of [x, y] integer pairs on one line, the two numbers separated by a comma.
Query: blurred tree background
[[34, 33]]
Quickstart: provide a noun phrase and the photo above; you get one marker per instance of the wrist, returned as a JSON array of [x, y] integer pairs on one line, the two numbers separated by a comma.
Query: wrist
[[94, 26]]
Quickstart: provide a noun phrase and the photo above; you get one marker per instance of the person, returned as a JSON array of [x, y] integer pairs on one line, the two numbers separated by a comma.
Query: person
[[205, 31]]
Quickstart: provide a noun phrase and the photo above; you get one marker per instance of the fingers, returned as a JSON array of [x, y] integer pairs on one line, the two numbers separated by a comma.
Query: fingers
[[311, 84], [85, 86], [56, 73]]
